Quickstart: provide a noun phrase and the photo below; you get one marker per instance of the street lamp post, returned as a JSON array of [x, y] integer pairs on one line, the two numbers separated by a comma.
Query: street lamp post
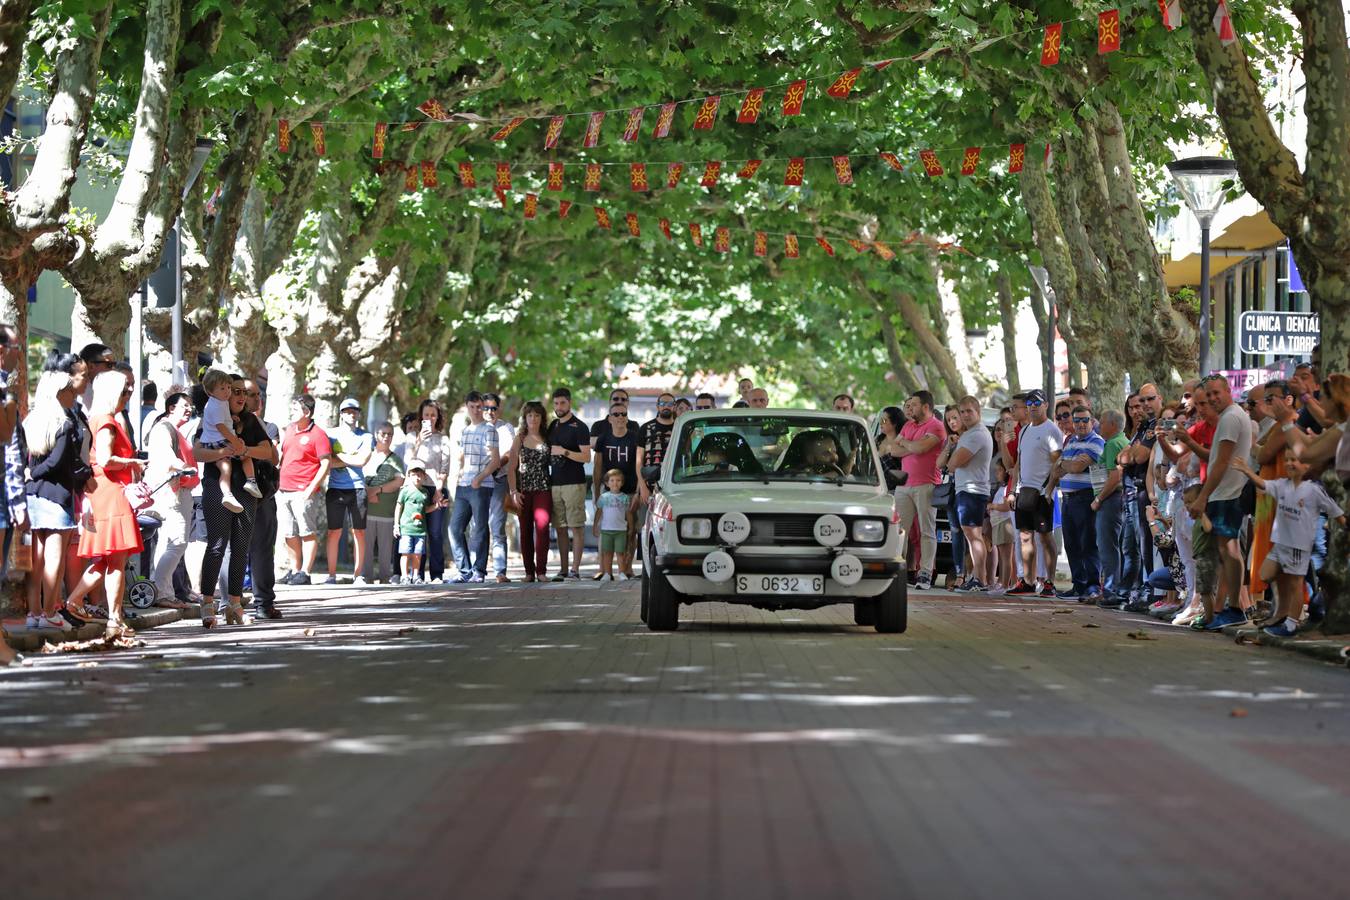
[[1202, 180]]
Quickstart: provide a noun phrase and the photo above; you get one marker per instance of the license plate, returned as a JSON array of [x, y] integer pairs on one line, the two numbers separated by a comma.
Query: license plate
[[944, 536], [780, 584]]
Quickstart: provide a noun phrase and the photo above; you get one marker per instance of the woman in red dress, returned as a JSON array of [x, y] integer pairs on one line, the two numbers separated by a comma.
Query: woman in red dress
[[110, 532]]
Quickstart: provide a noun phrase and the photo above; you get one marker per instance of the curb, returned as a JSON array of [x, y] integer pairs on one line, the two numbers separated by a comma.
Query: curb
[[29, 641], [1330, 650]]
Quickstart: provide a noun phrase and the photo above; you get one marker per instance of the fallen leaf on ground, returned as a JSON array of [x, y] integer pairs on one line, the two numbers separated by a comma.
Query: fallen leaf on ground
[[166, 664], [1061, 612], [308, 632], [1237, 712], [1091, 625], [86, 665], [1140, 636], [409, 630]]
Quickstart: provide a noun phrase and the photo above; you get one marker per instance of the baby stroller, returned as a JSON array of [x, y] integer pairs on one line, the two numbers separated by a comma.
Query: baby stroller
[[141, 591]]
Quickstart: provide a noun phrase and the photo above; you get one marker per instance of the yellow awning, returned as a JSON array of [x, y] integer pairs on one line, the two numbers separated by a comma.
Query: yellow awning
[[1253, 232], [1185, 272]]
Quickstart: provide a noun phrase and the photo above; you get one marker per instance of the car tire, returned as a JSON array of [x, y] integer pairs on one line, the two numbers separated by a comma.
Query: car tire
[[892, 608], [646, 594], [663, 603], [865, 612]]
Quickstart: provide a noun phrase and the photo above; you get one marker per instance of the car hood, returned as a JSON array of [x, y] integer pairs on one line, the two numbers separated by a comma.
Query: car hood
[[758, 497]]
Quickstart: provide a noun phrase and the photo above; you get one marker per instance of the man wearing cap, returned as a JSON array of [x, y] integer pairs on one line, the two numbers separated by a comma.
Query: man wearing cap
[[346, 496], [1038, 448]]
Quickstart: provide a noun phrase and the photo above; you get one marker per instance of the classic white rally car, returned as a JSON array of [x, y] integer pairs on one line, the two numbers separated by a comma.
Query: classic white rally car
[[780, 509]]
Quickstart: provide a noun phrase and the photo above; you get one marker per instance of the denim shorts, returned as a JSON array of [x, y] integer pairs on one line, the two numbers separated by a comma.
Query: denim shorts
[[46, 515], [970, 508], [414, 544], [1226, 516]]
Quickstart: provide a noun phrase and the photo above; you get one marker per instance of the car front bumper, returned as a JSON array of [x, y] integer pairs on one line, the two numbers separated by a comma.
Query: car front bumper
[[685, 571]]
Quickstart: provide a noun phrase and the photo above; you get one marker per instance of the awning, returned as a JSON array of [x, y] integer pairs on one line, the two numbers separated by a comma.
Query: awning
[[1252, 233], [1185, 272]]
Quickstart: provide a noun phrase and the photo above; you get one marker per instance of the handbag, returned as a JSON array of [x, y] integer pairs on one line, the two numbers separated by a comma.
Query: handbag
[[138, 495]]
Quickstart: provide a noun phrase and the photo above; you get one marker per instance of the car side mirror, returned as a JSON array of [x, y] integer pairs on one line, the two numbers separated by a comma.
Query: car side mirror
[[895, 477], [651, 475]]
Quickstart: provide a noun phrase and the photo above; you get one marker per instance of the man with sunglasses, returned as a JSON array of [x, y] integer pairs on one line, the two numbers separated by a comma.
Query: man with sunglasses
[[506, 440], [705, 401], [601, 428], [569, 441], [617, 448], [1138, 561], [1082, 450], [1038, 447], [653, 440]]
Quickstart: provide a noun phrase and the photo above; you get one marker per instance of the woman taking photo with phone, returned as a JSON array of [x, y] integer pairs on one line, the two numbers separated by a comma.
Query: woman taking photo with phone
[[431, 447]]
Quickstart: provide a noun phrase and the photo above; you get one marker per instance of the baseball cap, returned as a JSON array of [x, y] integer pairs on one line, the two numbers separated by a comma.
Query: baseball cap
[[1036, 396], [349, 403], [417, 464]]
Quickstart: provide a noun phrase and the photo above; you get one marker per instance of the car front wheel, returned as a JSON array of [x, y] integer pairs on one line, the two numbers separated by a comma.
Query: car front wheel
[[663, 602], [892, 608]]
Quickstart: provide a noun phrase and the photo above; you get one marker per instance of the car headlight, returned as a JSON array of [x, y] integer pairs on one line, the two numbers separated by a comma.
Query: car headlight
[[695, 528], [869, 531]]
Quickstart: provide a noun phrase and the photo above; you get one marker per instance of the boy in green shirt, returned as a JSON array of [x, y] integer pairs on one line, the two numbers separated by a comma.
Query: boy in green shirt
[[410, 526]]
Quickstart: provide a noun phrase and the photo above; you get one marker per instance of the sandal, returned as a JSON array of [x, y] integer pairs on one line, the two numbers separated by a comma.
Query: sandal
[[234, 615], [77, 615]]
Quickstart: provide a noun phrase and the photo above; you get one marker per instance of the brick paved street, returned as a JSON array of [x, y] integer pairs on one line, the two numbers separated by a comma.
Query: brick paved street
[[538, 742]]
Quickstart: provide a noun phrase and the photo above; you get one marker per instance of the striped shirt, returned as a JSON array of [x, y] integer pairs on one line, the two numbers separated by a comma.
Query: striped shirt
[[1092, 447], [477, 441]]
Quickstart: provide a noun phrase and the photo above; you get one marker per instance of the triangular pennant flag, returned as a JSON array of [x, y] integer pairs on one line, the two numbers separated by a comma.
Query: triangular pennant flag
[[410, 126], [592, 180], [637, 176], [710, 173], [429, 179], [284, 135], [509, 127], [377, 142], [1108, 31], [790, 246], [564, 207], [843, 85], [1017, 155], [634, 124], [664, 120], [860, 246], [553, 132], [761, 244], [1223, 24], [970, 162], [843, 172], [664, 225], [1050, 45], [531, 205], [750, 168], [696, 234], [931, 166], [320, 147], [796, 168], [825, 245], [466, 178], [722, 240], [503, 180], [631, 221], [601, 217], [593, 129], [673, 173], [707, 114], [878, 66], [793, 99], [555, 176], [929, 53], [883, 251], [432, 109], [892, 160], [1171, 13], [751, 107]]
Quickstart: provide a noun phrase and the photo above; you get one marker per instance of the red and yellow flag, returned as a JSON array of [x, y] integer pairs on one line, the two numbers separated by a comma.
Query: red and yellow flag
[[664, 225], [931, 166], [883, 251], [377, 142], [432, 109], [793, 99], [673, 173], [503, 180], [637, 176], [761, 244], [751, 107], [284, 135], [825, 245], [843, 85], [1108, 31], [710, 173], [970, 162], [316, 129], [860, 246], [592, 179], [466, 178], [707, 114], [790, 246], [501, 196], [796, 168], [429, 178], [564, 207], [664, 120], [631, 221], [696, 234], [553, 132], [750, 168], [634, 124], [531, 205], [555, 176], [722, 239], [892, 160], [593, 129], [601, 217], [410, 174], [843, 172], [1017, 155], [1050, 44], [509, 127]]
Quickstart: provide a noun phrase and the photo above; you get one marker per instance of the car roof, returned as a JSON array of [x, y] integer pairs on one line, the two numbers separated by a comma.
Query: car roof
[[825, 415]]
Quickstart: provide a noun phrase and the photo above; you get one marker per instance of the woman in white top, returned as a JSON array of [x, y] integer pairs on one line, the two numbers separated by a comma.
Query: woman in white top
[[432, 448], [169, 451]]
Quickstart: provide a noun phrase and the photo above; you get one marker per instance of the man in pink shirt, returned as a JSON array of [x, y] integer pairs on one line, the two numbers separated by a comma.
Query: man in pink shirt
[[918, 446]]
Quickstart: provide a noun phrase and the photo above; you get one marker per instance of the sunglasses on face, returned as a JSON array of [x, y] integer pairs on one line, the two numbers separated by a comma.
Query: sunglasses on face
[[665, 403], [1080, 421], [618, 415], [489, 409], [1062, 416], [618, 399], [1034, 403], [702, 407]]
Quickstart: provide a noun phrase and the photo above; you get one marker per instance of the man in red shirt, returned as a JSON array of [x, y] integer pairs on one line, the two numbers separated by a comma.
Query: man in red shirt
[[917, 447], [305, 456]]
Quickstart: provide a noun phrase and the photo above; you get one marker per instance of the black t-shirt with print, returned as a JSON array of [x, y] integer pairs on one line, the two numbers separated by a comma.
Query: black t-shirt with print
[[613, 452], [655, 438], [570, 435], [1136, 473]]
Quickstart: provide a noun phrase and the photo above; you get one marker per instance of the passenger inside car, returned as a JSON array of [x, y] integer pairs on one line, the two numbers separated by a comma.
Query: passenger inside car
[[816, 452], [727, 451]]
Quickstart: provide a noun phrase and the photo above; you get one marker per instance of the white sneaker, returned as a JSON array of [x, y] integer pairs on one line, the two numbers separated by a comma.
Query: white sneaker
[[605, 576], [32, 623], [251, 487], [231, 504], [57, 622], [358, 580], [621, 577]]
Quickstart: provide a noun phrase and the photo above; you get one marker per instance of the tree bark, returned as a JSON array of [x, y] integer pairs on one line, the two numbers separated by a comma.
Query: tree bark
[[15, 18], [952, 320], [915, 318], [1007, 310]]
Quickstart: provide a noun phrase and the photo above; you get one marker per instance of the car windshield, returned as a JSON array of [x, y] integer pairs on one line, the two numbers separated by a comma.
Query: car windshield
[[774, 448]]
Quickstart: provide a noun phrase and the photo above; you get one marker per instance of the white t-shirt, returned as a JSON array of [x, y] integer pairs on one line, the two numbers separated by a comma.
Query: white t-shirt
[[1235, 426], [216, 413], [1034, 449], [1296, 510], [998, 515], [506, 437], [973, 477]]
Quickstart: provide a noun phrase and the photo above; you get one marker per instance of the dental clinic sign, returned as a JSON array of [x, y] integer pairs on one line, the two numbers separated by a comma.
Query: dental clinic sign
[[1277, 333]]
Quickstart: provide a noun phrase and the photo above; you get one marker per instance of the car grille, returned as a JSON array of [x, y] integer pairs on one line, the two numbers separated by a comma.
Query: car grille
[[787, 530]]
